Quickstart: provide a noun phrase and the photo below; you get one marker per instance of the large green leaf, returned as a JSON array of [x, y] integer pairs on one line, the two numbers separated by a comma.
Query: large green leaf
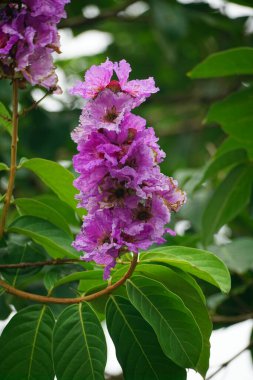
[[56, 242], [25, 345], [33, 207], [188, 290], [5, 118], [55, 176], [236, 61], [231, 144], [230, 197], [137, 347], [173, 323], [61, 207], [79, 347], [238, 255], [88, 280], [234, 114], [228, 159], [16, 253], [200, 263]]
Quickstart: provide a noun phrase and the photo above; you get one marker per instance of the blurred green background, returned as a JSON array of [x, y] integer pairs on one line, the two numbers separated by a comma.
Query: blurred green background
[[164, 39]]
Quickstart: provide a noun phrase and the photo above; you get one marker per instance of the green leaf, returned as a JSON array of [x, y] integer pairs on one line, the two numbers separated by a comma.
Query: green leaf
[[3, 166], [61, 207], [57, 178], [26, 345], [5, 118], [5, 307], [237, 255], [89, 280], [229, 158], [33, 207], [200, 263], [17, 253], [236, 61], [189, 291], [79, 347], [174, 325], [234, 114], [51, 277], [230, 197], [55, 241], [230, 144], [137, 347], [220, 162]]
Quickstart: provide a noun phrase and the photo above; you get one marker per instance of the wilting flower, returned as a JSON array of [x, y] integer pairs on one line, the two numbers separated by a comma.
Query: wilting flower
[[129, 201], [28, 37]]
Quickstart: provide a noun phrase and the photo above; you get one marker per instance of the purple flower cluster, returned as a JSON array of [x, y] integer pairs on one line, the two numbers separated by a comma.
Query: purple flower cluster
[[28, 37], [129, 200]]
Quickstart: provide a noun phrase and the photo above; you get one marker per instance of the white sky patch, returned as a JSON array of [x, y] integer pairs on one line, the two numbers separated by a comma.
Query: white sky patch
[[50, 103], [85, 44], [91, 11], [136, 9], [182, 226], [223, 235], [225, 343]]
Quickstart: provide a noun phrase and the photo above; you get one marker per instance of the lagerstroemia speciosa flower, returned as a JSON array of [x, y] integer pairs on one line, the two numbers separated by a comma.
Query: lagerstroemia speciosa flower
[[129, 201], [28, 37]]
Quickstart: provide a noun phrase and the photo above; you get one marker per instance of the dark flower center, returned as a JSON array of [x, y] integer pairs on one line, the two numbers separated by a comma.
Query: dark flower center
[[104, 239], [111, 115], [114, 86], [143, 215], [119, 193]]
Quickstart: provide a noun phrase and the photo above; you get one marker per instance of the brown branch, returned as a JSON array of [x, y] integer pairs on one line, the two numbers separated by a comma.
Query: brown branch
[[231, 318], [103, 16], [35, 104], [40, 263], [224, 365], [13, 167], [45, 299]]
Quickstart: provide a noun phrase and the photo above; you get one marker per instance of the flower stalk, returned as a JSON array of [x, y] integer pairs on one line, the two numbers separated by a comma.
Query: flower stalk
[[45, 299], [13, 167]]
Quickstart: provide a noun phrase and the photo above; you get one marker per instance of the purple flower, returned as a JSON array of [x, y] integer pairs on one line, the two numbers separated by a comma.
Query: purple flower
[[139, 89], [98, 78], [28, 37], [53, 9], [106, 111], [99, 238], [129, 201]]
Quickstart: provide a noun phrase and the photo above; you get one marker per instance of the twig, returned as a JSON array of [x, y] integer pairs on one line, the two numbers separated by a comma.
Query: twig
[[224, 365], [40, 263], [231, 318], [13, 167], [45, 299], [8, 119], [109, 14], [34, 105]]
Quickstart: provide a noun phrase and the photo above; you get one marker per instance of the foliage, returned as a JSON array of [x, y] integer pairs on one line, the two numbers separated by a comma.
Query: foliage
[[158, 318]]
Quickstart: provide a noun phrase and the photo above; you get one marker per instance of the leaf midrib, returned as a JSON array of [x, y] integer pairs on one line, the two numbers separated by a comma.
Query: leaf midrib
[[135, 337], [165, 322], [34, 340], [85, 338]]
